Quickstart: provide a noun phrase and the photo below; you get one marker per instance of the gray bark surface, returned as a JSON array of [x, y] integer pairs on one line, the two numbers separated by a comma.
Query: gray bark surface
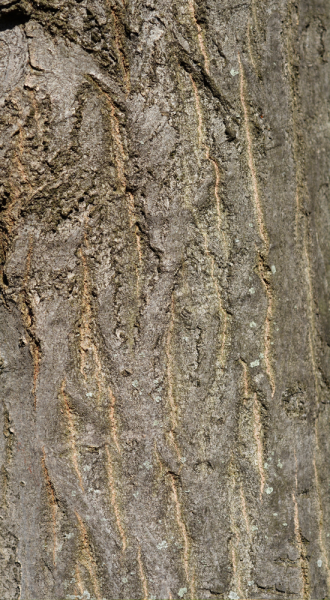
[[165, 272]]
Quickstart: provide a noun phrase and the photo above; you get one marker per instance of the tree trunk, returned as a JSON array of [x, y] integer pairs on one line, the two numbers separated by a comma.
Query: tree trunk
[[165, 338]]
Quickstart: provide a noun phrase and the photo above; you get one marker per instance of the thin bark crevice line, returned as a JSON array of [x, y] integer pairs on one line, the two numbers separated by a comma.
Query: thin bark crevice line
[[88, 560], [262, 233], [303, 560], [311, 308], [257, 426], [72, 435], [103, 390], [52, 503], [113, 497], [236, 583], [294, 98], [185, 537], [244, 512], [206, 148], [267, 327], [138, 268], [245, 380], [79, 582], [87, 335], [222, 311], [301, 190], [199, 36], [120, 161], [253, 173], [88, 343], [169, 367], [249, 45], [113, 421], [144, 582], [29, 322], [241, 537], [215, 166], [173, 409], [235, 539], [302, 218], [254, 15], [120, 52], [86, 332], [257, 430], [8, 452], [301, 544]]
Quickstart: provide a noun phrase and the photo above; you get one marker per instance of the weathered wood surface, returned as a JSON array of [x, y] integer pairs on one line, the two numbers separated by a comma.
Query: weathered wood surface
[[165, 336]]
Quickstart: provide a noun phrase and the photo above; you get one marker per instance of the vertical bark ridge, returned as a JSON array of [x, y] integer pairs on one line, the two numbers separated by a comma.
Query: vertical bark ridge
[[201, 144], [256, 426], [240, 541], [301, 220], [87, 344], [244, 512], [134, 227], [119, 50], [8, 454], [262, 232], [144, 582], [257, 429], [185, 538], [249, 45], [120, 155], [52, 503], [113, 421], [173, 409], [236, 583], [302, 243], [253, 174], [98, 376], [87, 558], [199, 36], [217, 197], [79, 582], [305, 585], [72, 435], [113, 497], [29, 323], [268, 321], [120, 161], [222, 311]]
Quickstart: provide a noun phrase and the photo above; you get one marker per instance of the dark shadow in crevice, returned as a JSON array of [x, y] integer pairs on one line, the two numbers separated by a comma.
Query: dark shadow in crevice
[[12, 17]]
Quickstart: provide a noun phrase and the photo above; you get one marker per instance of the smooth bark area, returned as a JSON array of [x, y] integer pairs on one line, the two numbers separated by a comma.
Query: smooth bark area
[[164, 316]]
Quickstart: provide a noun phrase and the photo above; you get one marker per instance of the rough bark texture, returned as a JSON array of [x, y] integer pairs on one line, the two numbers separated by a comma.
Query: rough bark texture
[[165, 338]]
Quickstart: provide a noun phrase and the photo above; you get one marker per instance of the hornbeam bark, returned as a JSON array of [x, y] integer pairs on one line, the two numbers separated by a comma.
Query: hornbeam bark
[[165, 273]]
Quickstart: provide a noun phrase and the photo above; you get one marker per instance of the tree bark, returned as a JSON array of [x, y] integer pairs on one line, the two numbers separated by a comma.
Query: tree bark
[[165, 273]]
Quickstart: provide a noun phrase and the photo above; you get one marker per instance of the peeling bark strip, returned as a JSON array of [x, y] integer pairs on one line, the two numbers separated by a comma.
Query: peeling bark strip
[[164, 299]]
